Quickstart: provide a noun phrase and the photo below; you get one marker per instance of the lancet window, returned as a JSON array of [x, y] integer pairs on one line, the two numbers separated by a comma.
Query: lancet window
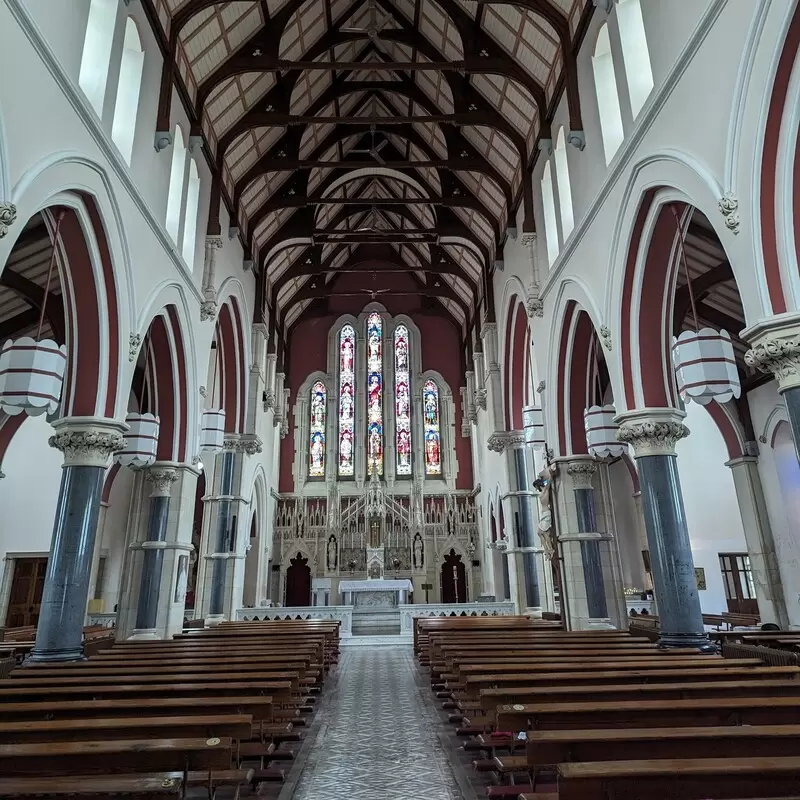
[[347, 353], [402, 400], [316, 444], [433, 439], [374, 394]]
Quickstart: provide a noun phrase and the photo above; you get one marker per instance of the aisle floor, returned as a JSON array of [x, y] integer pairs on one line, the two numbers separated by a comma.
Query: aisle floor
[[378, 736]]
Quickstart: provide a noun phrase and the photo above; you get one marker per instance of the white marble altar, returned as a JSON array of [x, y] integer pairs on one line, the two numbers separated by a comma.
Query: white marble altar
[[378, 592]]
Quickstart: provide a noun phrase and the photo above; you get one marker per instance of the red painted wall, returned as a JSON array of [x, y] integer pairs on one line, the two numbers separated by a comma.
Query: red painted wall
[[308, 350]]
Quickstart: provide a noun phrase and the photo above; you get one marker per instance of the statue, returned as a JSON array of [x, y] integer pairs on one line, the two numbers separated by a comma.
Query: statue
[[419, 553], [542, 484], [332, 553]]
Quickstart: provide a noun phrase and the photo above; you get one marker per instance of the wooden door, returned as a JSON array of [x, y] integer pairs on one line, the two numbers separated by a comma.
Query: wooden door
[[27, 586], [298, 582], [737, 577], [453, 579]]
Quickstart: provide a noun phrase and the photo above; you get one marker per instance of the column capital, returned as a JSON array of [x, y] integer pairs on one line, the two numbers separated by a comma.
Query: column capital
[[161, 477], [247, 443], [582, 472], [776, 349], [87, 441], [652, 431], [502, 440]]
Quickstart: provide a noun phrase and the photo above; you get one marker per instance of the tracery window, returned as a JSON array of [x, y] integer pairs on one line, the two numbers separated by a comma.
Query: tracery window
[[347, 352], [402, 401], [316, 444], [433, 444], [374, 394]]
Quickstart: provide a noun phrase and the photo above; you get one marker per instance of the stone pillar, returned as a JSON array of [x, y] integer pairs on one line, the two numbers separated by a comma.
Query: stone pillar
[[760, 542], [223, 535], [653, 433], [87, 444], [776, 351], [524, 525], [161, 477]]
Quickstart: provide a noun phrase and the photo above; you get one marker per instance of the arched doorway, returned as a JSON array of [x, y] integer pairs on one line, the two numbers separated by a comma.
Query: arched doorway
[[298, 582], [453, 579]]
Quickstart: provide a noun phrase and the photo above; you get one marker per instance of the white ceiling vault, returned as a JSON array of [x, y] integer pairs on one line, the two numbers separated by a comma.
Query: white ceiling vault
[[403, 129]]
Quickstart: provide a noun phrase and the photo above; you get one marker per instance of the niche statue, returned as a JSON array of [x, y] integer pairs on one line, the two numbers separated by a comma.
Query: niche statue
[[332, 553], [419, 552]]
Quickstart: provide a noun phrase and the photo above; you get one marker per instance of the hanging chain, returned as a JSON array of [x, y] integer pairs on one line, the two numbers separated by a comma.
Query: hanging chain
[[46, 294], [685, 266]]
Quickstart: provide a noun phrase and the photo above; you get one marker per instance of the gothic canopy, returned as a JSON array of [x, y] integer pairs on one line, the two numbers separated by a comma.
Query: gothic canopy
[[370, 135]]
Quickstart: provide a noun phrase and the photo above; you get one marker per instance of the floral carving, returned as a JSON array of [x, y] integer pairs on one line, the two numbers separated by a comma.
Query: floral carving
[[729, 208], [87, 447], [581, 473], [652, 438], [161, 479], [8, 216], [605, 336], [779, 357]]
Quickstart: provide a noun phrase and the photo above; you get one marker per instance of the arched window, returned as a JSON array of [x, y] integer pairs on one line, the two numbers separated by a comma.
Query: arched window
[[93, 75], [433, 443], [605, 84], [549, 206], [175, 196], [374, 394], [635, 53], [190, 214], [123, 128], [347, 353], [402, 400], [316, 444], [564, 190]]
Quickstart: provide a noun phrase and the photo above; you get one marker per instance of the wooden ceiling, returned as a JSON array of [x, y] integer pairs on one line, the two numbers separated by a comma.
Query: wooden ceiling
[[341, 132]]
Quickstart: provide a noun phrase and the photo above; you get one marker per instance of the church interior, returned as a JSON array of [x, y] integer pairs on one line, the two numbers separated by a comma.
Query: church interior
[[400, 399]]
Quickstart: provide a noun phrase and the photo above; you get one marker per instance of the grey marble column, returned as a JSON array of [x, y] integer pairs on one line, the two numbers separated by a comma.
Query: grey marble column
[[525, 528], [161, 478], [87, 444], [223, 532], [653, 433], [582, 473]]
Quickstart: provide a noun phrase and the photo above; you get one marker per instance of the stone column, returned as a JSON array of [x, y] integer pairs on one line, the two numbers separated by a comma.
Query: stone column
[[87, 444], [760, 542], [523, 524], [653, 433], [160, 477], [776, 351], [223, 534], [582, 473]]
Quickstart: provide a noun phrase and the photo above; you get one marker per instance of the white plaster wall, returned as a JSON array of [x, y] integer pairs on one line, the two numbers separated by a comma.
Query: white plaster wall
[[29, 492], [114, 535], [712, 511]]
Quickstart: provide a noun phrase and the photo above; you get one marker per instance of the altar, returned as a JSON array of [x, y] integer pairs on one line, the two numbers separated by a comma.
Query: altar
[[375, 592]]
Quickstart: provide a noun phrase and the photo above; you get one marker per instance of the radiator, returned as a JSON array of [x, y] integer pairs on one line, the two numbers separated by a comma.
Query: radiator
[[771, 656]]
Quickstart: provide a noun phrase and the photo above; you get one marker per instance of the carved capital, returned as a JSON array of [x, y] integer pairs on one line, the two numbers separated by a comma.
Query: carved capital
[[480, 399], [528, 239], [87, 441], [581, 473], [534, 304], [161, 480], [500, 440], [214, 242], [248, 444], [8, 216], [779, 356], [652, 431], [729, 208]]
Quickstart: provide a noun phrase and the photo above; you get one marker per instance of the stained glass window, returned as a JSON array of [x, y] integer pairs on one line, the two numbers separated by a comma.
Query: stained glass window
[[374, 394], [430, 408], [402, 400], [347, 353], [316, 444]]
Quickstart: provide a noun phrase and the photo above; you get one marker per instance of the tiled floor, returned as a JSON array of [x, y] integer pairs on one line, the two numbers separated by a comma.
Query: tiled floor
[[378, 738]]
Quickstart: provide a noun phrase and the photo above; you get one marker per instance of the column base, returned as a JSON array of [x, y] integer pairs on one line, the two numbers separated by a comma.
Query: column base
[[144, 634], [55, 656], [696, 641], [213, 620], [533, 613]]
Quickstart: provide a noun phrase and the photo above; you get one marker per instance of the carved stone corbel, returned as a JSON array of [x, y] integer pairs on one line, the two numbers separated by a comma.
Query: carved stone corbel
[[8, 216]]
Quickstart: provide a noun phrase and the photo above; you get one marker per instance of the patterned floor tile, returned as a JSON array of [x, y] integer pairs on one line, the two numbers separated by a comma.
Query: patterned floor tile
[[378, 739]]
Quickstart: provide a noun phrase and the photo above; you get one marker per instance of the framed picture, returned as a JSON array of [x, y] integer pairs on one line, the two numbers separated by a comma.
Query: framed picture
[[181, 579], [700, 577]]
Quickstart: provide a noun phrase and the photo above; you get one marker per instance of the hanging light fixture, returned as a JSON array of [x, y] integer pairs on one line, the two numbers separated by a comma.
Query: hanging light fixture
[[141, 441], [32, 370], [704, 360], [212, 431], [533, 425], [601, 432]]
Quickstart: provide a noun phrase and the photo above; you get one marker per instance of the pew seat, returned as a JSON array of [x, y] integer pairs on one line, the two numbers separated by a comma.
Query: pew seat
[[687, 779], [92, 787]]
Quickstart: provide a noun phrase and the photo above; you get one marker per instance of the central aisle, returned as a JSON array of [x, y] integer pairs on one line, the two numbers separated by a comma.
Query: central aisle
[[378, 738]]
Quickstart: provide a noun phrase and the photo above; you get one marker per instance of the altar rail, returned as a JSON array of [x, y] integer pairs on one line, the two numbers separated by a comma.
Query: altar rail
[[344, 614]]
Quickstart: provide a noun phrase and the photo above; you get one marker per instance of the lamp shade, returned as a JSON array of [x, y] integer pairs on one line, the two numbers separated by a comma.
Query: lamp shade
[[212, 431], [31, 376], [601, 432], [533, 425], [141, 441], [705, 366]]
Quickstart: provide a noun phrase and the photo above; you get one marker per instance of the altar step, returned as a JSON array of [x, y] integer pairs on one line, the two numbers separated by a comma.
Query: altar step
[[370, 622]]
